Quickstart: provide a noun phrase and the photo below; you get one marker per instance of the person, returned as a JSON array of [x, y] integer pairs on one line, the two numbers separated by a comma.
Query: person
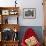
[[30, 38]]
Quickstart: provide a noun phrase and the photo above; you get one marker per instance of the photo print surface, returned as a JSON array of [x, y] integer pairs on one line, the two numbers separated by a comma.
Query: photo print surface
[[29, 13]]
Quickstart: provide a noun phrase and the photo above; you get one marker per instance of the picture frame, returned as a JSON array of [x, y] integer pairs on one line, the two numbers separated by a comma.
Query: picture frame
[[0, 36], [13, 12], [5, 12], [29, 13]]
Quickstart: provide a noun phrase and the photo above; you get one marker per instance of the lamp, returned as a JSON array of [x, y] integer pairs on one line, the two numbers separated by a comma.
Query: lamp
[[15, 30], [15, 37]]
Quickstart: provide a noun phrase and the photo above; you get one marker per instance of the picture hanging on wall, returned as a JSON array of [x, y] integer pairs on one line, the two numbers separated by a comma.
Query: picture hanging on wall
[[29, 13]]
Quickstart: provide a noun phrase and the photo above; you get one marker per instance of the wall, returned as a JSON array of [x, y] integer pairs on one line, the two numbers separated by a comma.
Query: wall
[[7, 3], [38, 21], [39, 13]]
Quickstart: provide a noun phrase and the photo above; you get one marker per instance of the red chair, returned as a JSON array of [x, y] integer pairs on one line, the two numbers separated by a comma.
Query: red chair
[[29, 33]]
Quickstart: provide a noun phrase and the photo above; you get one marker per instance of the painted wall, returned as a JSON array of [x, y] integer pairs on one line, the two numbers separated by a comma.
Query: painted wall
[[38, 21], [39, 13]]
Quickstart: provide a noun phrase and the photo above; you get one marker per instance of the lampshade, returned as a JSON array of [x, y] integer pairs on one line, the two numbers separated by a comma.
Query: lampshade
[[15, 30]]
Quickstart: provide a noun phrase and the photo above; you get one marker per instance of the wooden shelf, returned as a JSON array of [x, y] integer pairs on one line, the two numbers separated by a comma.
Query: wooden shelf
[[9, 43], [4, 24], [11, 26], [9, 8]]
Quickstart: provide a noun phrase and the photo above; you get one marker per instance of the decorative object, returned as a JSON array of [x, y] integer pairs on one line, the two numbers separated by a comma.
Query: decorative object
[[13, 12], [5, 12], [15, 30], [15, 3], [29, 13]]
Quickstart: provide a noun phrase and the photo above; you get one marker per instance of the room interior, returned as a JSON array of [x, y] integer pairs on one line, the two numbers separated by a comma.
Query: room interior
[[16, 16]]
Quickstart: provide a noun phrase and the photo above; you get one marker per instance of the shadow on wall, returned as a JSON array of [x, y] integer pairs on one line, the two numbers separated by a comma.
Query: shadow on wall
[[37, 29]]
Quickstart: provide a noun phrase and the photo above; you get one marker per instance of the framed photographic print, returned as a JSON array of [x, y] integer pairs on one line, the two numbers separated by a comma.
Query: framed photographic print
[[29, 13], [5, 12], [13, 12]]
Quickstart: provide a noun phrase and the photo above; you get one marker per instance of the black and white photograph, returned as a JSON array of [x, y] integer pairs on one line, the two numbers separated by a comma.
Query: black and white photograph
[[29, 13]]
